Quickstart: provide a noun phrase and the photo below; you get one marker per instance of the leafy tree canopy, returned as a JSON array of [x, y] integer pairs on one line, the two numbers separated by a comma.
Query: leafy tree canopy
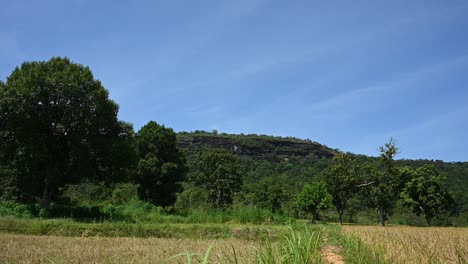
[[342, 178], [54, 118], [425, 194], [219, 172], [384, 176], [161, 167], [313, 198]]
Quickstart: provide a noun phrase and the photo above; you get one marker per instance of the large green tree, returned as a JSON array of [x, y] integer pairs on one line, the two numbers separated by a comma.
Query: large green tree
[[54, 119], [161, 167], [342, 181], [268, 193], [219, 172], [313, 198], [425, 194]]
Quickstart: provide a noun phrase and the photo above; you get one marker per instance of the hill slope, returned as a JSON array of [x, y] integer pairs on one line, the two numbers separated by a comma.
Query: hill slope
[[255, 146]]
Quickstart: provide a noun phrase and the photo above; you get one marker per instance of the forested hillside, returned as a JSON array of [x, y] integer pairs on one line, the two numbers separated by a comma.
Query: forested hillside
[[302, 160]]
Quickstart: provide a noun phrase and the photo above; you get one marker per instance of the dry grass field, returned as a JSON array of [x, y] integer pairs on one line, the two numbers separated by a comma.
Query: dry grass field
[[50, 249], [396, 244], [403, 244]]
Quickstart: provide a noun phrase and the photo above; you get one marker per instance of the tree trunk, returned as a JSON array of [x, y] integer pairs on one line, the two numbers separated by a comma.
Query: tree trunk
[[383, 216], [313, 213], [218, 198], [340, 213], [45, 199], [350, 217]]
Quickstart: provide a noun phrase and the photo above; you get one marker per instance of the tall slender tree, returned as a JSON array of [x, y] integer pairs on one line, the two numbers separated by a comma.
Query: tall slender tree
[[161, 167], [342, 180], [385, 181]]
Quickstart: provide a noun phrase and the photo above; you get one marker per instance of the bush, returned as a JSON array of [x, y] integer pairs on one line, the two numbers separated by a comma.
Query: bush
[[8, 208], [87, 193], [442, 219], [134, 211], [207, 216], [460, 220], [124, 193], [251, 214]]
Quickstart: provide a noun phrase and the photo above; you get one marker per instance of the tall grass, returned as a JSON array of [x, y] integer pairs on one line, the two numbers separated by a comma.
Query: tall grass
[[403, 244], [56, 249], [137, 211], [66, 227], [63, 227], [356, 251], [237, 214], [301, 245]]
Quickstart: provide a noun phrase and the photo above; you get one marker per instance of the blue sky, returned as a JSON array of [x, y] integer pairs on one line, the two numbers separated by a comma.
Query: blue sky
[[349, 74]]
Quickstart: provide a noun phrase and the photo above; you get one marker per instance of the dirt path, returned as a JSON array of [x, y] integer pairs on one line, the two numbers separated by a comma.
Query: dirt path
[[331, 253]]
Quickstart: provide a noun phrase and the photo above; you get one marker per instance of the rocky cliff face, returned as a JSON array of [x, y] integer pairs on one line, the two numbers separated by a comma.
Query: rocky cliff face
[[256, 146]]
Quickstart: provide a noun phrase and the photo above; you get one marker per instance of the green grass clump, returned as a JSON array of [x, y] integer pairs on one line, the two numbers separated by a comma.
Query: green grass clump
[[64, 227], [257, 215], [354, 249], [211, 215], [68, 227], [191, 257], [301, 245]]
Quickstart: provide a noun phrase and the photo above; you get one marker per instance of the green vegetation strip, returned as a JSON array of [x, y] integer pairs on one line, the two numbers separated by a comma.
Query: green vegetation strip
[[64, 227], [353, 248]]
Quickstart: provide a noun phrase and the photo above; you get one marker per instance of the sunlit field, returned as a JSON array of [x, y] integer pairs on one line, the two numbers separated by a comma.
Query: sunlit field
[[403, 244], [50, 249], [300, 244], [391, 244]]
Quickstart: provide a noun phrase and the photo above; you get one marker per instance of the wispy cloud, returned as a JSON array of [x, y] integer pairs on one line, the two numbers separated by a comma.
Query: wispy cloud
[[268, 60], [398, 84], [191, 38]]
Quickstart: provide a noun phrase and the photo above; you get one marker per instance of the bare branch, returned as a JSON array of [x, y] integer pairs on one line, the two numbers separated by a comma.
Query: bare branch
[[365, 184]]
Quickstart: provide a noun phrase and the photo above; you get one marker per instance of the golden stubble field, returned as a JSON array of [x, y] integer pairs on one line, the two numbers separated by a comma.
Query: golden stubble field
[[50, 249], [403, 244]]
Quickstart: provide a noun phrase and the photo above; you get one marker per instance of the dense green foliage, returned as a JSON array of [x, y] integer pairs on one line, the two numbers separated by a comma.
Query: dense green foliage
[[313, 198], [342, 178], [218, 172], [64, 154], [57, 125], [161, 167], [425, 194], [384, 176]]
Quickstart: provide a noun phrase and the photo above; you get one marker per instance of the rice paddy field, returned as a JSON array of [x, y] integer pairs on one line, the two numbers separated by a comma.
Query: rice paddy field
[[327, 243], [51, 249], [404, 244]]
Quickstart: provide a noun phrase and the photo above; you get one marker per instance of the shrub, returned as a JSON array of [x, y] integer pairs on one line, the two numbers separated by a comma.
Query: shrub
[[124, 193], [8, 208]]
